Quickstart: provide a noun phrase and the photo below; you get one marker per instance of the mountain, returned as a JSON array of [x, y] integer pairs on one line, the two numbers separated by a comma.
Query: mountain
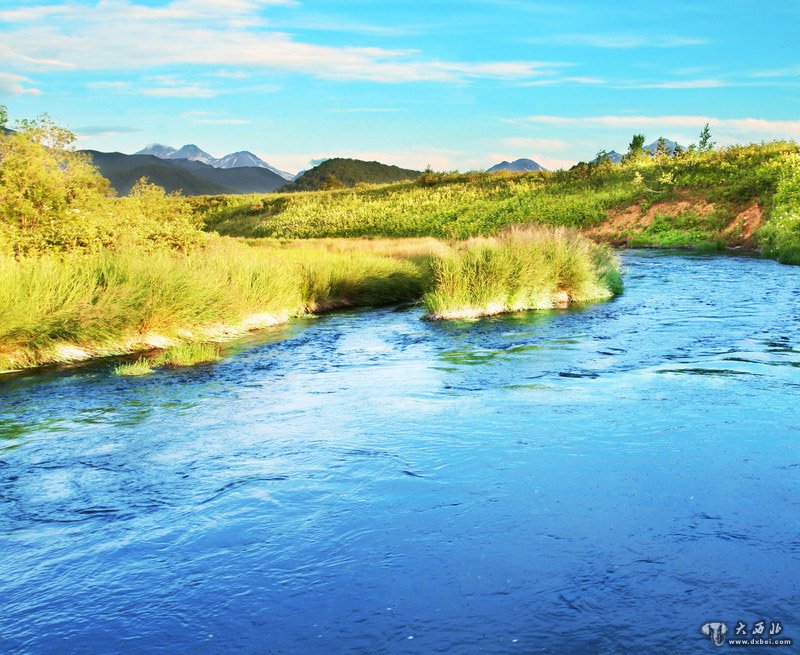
[[518, 166], [244, 158], [191, 152], [669, 145], [340, 172], [157, 150], [192, 178]]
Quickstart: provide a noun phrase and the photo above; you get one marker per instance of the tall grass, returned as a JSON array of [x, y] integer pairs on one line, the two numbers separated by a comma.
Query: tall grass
[[56, 307], [534, 268]]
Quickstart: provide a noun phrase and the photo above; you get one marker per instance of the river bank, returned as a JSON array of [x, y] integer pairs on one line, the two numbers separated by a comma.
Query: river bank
[[73, 307]]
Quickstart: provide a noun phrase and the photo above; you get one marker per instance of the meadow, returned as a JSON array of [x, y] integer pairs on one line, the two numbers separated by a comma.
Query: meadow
[[711, 188]]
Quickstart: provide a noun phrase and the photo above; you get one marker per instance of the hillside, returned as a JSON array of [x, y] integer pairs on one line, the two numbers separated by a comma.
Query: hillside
[[340, 172], [721, 198], [189, 177]]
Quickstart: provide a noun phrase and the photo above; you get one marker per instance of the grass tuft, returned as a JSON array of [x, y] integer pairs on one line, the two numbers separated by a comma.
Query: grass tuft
[[189, 354], [534, 268], [141, 366]]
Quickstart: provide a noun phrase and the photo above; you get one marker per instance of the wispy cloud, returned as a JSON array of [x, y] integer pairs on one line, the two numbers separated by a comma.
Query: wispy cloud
[[677, 84], [188, 91], [366, 110], [106, 130], [618, 41], [16, 85], [565, 81], [743, 126], [124, 35]]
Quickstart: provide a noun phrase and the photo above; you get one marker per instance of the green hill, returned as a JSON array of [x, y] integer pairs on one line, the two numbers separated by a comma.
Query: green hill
[[742, 197], [345, 173]]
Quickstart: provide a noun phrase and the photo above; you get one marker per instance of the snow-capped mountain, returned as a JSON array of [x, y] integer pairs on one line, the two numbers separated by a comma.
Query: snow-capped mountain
[[193, 153], [157, 150], [241, 159], [518, 166], [245, 158]]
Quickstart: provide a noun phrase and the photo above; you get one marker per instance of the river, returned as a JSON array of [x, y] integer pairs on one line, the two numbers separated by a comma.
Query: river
[[603, 479]]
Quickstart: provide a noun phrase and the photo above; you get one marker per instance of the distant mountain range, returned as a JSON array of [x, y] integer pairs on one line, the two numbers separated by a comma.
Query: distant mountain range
[[518, 166], [241, 159], [190, 177], [339, 173]]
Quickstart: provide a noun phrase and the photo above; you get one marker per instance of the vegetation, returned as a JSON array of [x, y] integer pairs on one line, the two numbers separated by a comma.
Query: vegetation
[[84, 273], [182, 354], [341, 173], [662, 194], [537, 268], [781, 236], [65, 306]]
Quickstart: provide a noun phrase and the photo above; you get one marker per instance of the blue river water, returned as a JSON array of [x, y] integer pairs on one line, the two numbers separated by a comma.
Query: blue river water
[[603, 479]]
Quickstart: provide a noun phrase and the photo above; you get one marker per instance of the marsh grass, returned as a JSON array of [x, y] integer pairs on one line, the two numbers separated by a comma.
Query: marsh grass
[[141, 366], [62, 307], [533, 268], [189, 354]]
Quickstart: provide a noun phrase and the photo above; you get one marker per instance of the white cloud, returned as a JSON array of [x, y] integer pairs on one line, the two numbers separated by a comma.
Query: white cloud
[[681, 84], [14, 85], [746, 127], [123, 35], [558, 81], [224, 121], [188, 91], [413, 158], [527, 143], [618, 41]]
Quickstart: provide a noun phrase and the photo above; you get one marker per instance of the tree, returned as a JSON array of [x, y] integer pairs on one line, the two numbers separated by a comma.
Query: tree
[[661, 147], [705, 140], [3, 116], [636, 147], [47, 190]]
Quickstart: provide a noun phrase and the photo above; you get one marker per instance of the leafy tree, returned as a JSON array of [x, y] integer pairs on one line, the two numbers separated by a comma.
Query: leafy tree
[[52, 198], [636, 147], [706, 143], [47, 190], [3, 116]]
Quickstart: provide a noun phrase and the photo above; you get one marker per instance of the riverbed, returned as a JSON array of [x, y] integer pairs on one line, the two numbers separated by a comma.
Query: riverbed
[[598, 479]]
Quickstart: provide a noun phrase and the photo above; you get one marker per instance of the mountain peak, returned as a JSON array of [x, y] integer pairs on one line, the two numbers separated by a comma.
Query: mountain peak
[[157, 150], [517, 166]]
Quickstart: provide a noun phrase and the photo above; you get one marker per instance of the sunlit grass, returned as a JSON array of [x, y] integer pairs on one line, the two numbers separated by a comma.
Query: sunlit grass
[[189, 354], [141, 366], [521, 269], [116, 302]]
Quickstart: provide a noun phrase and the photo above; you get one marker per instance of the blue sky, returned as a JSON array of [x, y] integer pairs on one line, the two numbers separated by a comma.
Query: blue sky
[[454, 84]]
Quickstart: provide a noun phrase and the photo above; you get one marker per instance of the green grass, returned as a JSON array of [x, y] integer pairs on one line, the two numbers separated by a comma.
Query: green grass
[[781, 235], [189, 354], [181, 354], [116, 302], [522, 269], [141, 366], [459, 206]]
